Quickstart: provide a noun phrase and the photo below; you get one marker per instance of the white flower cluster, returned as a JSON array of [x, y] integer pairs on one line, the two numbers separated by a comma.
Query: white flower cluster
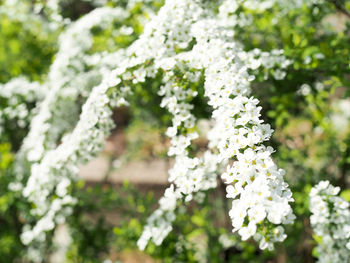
[[86, 139], [45, 12], [18, 10], [255, 182], [195, 175], [69, 80], [186, 42], [29, 13], [70, 77], [189, 175], [53, 174], [330, 220], [17, 96], [52, 10]]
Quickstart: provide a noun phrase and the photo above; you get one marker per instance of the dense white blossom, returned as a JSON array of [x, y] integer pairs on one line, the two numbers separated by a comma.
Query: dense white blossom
[[186, 43], [67, 80], [18, 94], [330, 220], [237, 134], [46, 14]]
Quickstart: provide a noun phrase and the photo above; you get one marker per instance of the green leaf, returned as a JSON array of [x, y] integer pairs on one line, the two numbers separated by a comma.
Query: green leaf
[[346, 194]]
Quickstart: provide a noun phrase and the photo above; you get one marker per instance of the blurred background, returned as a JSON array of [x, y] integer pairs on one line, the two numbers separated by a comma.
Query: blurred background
[[309, 111]]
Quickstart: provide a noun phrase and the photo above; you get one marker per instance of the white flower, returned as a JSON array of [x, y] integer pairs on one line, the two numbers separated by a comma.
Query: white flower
[[330, 220], [260, 196], [248, 231]]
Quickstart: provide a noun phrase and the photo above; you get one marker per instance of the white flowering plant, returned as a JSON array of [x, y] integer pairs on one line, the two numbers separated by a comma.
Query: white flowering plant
[[243, 68], [330, 220]]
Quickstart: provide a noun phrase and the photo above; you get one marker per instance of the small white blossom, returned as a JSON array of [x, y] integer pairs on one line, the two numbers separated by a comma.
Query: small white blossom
[[330, 220]]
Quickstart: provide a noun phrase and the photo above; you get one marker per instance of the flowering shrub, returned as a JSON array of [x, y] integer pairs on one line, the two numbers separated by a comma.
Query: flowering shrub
[[199, 58], [330, 220]]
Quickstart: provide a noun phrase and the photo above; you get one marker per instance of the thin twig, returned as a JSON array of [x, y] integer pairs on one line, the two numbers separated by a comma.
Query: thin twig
[[340, 8]]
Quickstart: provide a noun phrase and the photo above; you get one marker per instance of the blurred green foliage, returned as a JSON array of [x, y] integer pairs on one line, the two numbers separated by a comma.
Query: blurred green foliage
[[10, 223], [25, 50]]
